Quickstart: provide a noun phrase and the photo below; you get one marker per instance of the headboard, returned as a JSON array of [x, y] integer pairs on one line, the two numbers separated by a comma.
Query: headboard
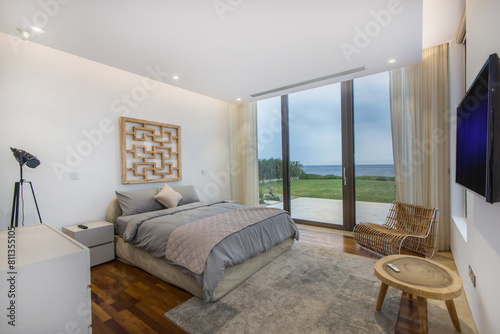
[[114, 211]]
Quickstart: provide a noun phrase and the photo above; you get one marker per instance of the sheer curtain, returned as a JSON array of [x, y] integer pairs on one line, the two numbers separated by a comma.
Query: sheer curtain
[[243, 152], [420, 135]]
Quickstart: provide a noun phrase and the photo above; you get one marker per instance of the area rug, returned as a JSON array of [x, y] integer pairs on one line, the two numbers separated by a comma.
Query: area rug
[[306, 290]]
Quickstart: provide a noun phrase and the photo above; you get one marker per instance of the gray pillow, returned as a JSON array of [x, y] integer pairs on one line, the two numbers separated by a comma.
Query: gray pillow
[[188, 194], [138, 201]]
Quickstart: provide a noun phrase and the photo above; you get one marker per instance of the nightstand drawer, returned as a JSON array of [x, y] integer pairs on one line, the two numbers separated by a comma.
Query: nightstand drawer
[[97, 233], [102, 253]]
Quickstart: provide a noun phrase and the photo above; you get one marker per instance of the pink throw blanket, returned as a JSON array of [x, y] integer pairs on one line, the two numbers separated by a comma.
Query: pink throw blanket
[[190, 244]]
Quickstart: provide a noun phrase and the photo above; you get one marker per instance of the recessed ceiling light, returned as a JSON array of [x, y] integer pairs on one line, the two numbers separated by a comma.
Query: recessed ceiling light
[[175, 77], [238, 99], [392, 61], [37, 30]]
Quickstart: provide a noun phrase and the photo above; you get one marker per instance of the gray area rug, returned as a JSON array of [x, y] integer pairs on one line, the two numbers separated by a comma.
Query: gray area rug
[[305, 290]]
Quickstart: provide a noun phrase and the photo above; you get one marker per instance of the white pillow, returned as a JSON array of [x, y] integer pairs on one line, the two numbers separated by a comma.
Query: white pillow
[[168, 196]]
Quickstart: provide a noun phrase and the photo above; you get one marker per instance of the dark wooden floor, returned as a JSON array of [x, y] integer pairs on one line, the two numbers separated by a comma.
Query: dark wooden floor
[[128, 300]]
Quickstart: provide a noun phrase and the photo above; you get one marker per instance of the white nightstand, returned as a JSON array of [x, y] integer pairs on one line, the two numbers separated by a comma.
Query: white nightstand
[[98, 237]]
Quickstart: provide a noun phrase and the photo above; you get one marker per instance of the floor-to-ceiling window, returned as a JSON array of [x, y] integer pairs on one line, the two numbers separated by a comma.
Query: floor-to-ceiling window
[[270, 152], [375, 187]]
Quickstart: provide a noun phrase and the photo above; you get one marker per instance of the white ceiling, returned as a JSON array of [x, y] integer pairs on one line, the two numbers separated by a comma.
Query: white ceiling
[[230, 49]]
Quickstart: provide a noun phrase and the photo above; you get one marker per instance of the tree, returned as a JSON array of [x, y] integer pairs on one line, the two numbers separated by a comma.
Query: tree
[[271, 169]]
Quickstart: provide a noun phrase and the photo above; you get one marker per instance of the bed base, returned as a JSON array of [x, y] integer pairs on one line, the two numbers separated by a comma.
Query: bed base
[[233, 276]]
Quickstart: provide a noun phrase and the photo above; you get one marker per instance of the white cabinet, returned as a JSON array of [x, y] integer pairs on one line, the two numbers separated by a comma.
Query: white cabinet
[[99, 237], [45, 278]]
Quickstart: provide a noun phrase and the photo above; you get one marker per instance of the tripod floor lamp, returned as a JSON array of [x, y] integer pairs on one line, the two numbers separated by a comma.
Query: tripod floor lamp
[[24, 158]]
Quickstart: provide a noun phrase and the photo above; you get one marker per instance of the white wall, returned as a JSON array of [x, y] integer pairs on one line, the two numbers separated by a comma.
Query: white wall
[[457, 91], [48, 99], [479, 247]]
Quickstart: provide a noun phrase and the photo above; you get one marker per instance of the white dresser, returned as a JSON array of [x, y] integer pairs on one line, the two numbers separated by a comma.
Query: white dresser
[[45, 282]]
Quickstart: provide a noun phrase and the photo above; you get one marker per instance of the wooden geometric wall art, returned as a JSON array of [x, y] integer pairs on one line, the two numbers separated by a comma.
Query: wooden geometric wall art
[[151, 151]]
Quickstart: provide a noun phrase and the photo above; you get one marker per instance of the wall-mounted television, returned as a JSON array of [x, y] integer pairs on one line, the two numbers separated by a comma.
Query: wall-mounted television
[[478, 134]]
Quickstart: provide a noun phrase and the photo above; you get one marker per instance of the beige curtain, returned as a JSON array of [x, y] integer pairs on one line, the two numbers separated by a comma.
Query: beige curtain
[[420, 135], [243, 147]]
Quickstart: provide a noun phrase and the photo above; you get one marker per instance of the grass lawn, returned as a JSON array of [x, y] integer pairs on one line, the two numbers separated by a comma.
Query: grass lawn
[[366, 190]]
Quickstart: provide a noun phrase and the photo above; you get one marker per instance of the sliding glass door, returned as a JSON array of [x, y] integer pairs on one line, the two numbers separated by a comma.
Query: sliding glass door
[[316, 155], [301, 156], [325, 154]]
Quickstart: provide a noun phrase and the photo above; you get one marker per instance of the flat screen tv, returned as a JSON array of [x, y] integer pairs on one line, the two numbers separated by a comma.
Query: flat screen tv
[[478, 134]]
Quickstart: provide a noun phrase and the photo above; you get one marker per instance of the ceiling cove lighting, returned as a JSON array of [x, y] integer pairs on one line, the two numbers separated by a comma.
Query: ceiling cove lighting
[[25, 34], [303, 83], [37, 30]]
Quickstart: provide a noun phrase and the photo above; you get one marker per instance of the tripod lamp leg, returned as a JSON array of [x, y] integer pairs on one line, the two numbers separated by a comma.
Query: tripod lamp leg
[[36, 204], [15, 207]]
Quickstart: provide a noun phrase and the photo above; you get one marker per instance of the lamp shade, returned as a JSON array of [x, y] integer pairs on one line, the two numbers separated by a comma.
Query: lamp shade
[[24, 157]]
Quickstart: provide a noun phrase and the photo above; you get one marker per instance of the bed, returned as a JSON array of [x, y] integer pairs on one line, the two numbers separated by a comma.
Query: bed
[[249, 239]]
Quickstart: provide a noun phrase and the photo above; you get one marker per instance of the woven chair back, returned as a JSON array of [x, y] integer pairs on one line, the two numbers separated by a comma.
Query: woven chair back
[[415, 220]]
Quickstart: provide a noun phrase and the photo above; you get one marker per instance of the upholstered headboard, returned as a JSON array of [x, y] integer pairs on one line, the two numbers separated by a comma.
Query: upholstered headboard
[[114, 211]]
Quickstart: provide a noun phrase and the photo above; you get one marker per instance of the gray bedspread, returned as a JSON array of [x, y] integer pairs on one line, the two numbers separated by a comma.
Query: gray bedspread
[[151, 230]]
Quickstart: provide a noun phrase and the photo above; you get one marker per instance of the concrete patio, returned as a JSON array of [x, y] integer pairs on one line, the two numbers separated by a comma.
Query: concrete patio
[[330, 211]]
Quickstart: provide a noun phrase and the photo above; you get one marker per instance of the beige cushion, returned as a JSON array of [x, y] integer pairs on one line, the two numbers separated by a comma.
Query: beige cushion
[[168, 196]]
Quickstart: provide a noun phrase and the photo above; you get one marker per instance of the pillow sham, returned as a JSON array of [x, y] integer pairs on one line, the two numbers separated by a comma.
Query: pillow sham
[[188, 194], [138, 201], [168, 196]]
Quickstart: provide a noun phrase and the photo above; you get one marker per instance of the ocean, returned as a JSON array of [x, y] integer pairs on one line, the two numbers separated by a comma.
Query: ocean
[[360, 170]]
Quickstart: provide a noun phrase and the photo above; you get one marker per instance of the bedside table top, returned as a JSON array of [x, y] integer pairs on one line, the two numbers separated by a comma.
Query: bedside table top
[[91, 225], [98, 232]]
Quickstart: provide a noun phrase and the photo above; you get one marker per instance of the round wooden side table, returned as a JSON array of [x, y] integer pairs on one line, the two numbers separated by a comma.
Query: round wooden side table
[[422, 278]]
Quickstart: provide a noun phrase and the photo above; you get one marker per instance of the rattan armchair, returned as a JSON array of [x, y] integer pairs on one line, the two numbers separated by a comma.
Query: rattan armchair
[[407, 226]]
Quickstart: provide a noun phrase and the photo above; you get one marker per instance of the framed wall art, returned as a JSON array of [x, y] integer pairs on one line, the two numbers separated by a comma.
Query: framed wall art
[[150, 151]]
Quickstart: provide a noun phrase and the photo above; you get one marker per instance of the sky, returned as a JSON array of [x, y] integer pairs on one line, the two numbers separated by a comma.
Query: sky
[[314, 116]]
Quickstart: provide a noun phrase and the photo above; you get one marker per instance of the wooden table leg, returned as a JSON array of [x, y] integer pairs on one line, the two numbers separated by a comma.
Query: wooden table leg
[[453, 314], [381, 296], [422, 314]]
